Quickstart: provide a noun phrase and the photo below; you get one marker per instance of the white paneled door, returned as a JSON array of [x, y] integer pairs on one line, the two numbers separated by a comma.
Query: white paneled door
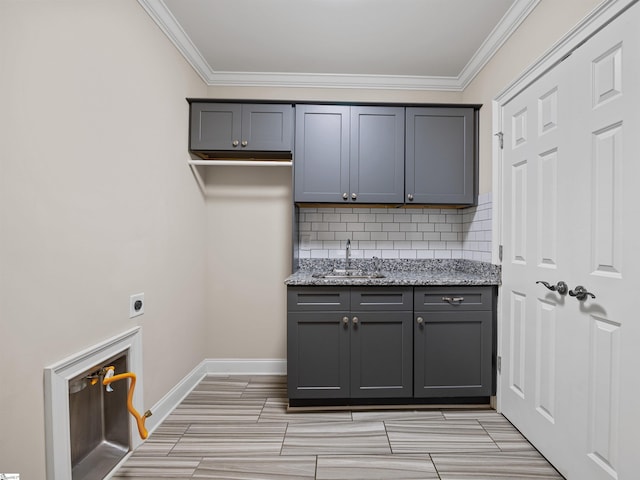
[[570, 378]]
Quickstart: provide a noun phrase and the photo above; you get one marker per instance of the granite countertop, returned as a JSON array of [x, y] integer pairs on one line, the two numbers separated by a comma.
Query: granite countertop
[[399, 272]]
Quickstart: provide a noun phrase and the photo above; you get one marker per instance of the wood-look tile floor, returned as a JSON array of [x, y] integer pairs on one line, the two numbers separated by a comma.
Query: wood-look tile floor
[[238, 428]]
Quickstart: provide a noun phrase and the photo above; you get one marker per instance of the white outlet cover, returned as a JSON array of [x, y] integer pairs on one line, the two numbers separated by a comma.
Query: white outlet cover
[[132, 305]]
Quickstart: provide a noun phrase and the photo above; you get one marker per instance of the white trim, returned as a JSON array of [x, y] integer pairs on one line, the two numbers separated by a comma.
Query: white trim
[[163, 17], [241, 366], [327, 80], [592, 23], [241, 163], [56, 395]]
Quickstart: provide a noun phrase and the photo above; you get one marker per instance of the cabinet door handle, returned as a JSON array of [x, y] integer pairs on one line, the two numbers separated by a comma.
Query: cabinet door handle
[[345, 320], [453, 300], [410, 197], [419, 320], [345, 195], [354, 196], [245, 143], [355, 320], [235, 143]]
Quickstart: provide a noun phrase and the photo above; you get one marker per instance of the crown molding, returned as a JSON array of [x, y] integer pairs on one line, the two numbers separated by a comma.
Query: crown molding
[[163, 17], [516, 14]]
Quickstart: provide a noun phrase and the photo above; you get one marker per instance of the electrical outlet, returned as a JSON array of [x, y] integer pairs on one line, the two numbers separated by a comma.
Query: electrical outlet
[[136, 305]]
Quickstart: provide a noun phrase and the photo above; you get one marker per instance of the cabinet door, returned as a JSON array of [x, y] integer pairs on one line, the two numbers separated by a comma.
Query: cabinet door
[[440, 156], [267, 127], [381, 354], [317, 355], [215, 126], [376, 163], [321, 166], [453, 354]]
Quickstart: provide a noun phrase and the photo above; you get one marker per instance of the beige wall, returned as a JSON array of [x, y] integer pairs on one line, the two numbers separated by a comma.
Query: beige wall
[[249, 211], [96, 203]]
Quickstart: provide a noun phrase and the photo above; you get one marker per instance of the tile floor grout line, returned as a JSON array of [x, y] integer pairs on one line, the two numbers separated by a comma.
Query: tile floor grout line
[[433, 462]]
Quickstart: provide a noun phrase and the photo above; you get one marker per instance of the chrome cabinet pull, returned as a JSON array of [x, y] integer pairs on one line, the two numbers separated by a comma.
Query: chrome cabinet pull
[[410, 197], [235, 143], [345, 195], [419, 320], [245, 143], [354, 196], [581, 293], [345, 320], [355, 320], [561, 287], [453, 300]]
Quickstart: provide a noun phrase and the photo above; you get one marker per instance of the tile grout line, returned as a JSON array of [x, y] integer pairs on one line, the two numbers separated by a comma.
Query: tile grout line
[[434, 465]]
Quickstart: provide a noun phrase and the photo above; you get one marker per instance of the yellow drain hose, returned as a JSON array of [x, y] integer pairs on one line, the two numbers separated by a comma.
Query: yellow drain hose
[[140, 419]]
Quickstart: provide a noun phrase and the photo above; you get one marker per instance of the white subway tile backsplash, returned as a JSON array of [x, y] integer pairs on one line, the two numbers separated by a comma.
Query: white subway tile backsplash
[[397, 236], [331, 217], [399, 233], [408, 227]]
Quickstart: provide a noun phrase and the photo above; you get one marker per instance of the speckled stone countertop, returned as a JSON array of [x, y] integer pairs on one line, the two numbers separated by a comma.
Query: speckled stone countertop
[[399, 272]]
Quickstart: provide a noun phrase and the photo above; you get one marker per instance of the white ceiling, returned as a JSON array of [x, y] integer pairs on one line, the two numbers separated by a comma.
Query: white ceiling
[[423, 44]]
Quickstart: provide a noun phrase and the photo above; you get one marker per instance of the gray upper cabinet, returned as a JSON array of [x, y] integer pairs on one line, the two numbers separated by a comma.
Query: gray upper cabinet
[[321, 164], [236, 127], [440, 156], [349, 154]]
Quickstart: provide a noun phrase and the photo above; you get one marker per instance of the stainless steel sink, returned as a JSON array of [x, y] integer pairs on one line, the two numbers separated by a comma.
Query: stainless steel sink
[[355, 274]]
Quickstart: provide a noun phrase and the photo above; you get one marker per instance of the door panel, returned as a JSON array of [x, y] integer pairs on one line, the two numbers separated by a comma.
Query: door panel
[[219, 125], [607, 97], [381, 354], [453, 354], [321, 167], [533, 371], [377, 154], [267, 127], [440, 156], [318, 355]]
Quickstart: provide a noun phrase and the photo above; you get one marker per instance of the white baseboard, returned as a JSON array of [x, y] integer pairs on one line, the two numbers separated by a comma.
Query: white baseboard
[[211, 366], [242, 366]]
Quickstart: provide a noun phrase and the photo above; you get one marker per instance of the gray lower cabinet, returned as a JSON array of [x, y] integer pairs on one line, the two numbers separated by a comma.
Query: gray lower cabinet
[[390, 342], [236, 127], [349, 154], [441, 156], [454, 341], [348, 342]]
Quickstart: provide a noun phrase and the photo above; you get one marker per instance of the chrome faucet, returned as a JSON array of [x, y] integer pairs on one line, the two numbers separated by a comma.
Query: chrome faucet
[[347, 254]]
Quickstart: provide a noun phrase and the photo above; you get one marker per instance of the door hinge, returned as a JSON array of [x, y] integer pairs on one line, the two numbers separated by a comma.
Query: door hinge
[[500, 136], [499, 364], [500, 252]]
